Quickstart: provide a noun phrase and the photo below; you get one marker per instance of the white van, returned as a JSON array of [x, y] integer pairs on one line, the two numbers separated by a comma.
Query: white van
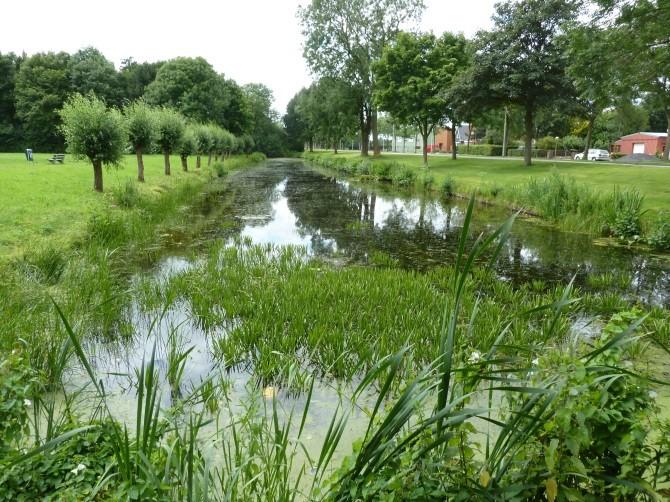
[[594, 154]]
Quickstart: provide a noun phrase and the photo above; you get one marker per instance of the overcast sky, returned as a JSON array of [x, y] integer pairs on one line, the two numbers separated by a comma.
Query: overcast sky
[[247, 40]]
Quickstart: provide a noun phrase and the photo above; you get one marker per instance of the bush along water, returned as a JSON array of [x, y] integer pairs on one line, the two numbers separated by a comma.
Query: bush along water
[[560, 199], [483, 404]]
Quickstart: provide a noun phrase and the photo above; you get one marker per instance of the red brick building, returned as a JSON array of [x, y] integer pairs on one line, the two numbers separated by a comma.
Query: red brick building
[[649, 143], [443, 140]]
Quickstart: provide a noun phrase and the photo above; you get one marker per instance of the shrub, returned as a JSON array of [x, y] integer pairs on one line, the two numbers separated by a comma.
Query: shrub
[[625, 213], [403, 176], [448, 187], [487, 150], [546, 143], [572, 143], [127, 195], [258, 157], [426, 181], [219, 169], [659, 237]]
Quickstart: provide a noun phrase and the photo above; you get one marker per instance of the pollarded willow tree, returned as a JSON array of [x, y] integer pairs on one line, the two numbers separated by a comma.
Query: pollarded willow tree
[[344, 37], [203, 141], [523, 60], [187, 146], [142, 131], [412, 76], [170, 126], [95, 132]]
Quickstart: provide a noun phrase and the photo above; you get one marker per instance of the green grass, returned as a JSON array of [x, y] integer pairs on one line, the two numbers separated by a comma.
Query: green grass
[[472, 174], [42, 203]]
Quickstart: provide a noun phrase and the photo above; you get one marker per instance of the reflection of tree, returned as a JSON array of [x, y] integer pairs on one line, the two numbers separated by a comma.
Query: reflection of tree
[[422, 232]]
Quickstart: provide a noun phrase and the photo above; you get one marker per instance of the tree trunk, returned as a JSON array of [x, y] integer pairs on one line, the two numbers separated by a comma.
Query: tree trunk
[[184, 163], [505, 134], [467, 147], [453, 141], [140, 164], [365, 133], [311, 144], [424, 136], [335, 147], [589, 135], [166, 157], [527, 154], [197, 162], [376, 149], [666, 150], [97, 175], [209, 159]]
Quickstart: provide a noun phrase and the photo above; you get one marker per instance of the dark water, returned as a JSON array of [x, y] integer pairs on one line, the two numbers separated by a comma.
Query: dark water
[[287, 202]]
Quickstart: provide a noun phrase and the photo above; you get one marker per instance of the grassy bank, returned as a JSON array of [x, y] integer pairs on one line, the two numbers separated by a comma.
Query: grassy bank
[[627, 202], [42, 203]]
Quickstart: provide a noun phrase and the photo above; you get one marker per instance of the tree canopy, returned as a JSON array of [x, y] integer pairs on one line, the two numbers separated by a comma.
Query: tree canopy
[[412, 76], [93, 131], [344, 37]]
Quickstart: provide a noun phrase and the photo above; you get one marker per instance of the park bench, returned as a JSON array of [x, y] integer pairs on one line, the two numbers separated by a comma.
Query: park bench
[[57, 158]]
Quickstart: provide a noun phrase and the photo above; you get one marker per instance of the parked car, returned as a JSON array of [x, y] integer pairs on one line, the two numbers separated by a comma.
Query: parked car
[[594, 154]]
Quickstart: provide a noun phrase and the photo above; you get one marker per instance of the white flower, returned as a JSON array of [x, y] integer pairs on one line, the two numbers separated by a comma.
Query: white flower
[[652, 394], [474, 357], [27, 402], [535, 361], [78, 469], [574, 392]]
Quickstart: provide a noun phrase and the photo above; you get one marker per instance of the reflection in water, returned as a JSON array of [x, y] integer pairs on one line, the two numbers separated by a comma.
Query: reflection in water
[[289, 203]]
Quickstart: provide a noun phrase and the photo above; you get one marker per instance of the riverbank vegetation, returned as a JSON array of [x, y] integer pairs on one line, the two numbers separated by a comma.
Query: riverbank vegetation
[[628, 203], [467, 384]]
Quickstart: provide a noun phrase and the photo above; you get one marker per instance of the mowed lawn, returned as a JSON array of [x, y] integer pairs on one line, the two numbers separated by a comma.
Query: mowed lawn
[[41, 202], [472, 173]]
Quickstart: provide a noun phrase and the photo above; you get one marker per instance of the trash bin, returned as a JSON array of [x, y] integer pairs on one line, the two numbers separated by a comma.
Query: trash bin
[[29, 154]]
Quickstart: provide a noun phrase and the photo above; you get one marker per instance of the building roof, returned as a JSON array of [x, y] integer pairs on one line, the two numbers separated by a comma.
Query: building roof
[[652, 134]]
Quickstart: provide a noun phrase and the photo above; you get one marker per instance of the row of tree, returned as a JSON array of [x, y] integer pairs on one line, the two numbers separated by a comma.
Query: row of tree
[[540, 59], [34, 88], [102, 134]]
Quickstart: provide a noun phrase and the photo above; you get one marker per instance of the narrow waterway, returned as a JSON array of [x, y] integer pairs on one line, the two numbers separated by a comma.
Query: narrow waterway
[[285, 202]]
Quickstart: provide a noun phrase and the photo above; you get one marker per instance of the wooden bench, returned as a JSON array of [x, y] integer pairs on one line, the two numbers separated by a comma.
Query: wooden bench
[[58, 158]]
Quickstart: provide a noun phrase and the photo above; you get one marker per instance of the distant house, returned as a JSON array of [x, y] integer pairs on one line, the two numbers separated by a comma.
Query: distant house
[[442, 142], [649, 143]]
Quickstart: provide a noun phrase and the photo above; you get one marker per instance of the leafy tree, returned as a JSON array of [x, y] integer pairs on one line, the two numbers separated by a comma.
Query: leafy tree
[[42, 87], [203, 142], [141, 124], [90, 71], [268, 136], [297, 121], [642, 40], [626, 118], [170, 127], [10, 127], [591, 69], [412, 75], [344, 37], [135, 77], [187, 146], [332, 110], [93, 131], [522, 61], [192, 87], [237, 113]]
